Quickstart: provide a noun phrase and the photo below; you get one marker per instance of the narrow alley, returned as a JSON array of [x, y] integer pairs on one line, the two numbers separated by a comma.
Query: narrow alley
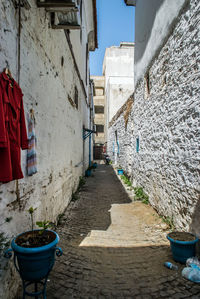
[[100, 264], [89, 90]]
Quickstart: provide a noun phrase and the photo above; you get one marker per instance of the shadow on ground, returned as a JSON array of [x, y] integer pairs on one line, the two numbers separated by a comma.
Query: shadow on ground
[[109, 272]]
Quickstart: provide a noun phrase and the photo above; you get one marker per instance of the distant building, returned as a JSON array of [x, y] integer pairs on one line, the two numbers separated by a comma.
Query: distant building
[[119, 76], [100, 115], [118, 70]]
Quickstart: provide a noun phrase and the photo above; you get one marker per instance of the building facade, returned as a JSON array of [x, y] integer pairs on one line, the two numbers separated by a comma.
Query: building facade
[[119, 86], [100, 137], [163, 124], [119, 76], [48, 56]]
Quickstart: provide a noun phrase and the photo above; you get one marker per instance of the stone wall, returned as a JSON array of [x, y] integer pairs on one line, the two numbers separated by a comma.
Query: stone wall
[[158, 18], [48, 78], [120, 138], [165, 118]]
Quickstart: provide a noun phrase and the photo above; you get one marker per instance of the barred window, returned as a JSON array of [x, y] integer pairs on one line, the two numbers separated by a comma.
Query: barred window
[[100, 128], [99, 109]]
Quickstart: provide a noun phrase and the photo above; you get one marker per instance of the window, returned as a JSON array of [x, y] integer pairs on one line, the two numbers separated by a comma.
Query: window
[[99, 91], [137, 144], [99, 109], [100, 128]]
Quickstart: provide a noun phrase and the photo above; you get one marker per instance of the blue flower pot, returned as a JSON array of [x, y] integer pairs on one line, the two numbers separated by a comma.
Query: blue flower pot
[[94, 165], [34, 264], [182, 250], [88, 172], [120, 171]]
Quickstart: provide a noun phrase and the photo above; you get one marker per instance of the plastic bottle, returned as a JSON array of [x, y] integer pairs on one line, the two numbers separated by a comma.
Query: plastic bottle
[[171, 266]]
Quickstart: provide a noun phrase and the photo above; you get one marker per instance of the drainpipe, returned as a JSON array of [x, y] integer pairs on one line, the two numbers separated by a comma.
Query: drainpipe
[[88, 133], [90, 149]]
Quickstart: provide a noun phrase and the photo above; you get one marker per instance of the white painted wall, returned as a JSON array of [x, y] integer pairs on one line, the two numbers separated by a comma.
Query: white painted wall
[[153, 22], [46, 86], [167, 121], [120, 89], [119, 76]]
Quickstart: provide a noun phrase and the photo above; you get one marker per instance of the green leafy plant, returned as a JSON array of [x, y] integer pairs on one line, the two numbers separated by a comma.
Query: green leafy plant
[[82, 182], [110, 162], [60, 218], [44, 225], [31, 211], [126, 180], [74, 196], [145, 201], [169, 221], [141, 195]]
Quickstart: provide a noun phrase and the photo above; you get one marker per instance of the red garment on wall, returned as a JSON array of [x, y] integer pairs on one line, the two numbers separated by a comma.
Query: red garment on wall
[[12, 129]]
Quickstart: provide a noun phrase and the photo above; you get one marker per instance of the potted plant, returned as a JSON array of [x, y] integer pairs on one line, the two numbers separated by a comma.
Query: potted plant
[[182, 245], [88, 172], [94, 165], [34, 255], [120, 170]]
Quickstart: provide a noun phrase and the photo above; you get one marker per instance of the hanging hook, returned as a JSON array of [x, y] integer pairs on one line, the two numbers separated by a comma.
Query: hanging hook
[[7, 64]]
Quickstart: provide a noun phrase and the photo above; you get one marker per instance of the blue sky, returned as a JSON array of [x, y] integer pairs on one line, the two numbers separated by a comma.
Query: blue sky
[[115, 22]]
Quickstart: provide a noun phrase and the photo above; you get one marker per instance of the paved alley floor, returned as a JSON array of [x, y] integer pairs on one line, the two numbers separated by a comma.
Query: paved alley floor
[[113, 247]]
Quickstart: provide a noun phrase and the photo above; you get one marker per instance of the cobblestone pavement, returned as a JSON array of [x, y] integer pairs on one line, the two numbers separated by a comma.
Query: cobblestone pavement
[[116, 254]]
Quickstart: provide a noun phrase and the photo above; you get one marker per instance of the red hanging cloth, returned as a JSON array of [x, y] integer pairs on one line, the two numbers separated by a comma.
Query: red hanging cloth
[[13, 135]]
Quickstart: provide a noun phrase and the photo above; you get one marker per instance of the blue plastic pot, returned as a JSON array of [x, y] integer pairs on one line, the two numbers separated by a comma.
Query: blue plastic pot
[[34, 264], [182, 250], [120, 171], [94, 165], [88, 172]]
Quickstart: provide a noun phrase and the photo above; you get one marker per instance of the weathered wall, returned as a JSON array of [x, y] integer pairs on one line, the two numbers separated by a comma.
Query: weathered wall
[[167, 124], [119, 89], [154, 21], [120, 138], [119, 76], [46, 86]]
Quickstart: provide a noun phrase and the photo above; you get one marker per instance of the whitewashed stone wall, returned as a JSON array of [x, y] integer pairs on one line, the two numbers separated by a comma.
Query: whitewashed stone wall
[[167, 124], [46, 85], [121, 134]]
